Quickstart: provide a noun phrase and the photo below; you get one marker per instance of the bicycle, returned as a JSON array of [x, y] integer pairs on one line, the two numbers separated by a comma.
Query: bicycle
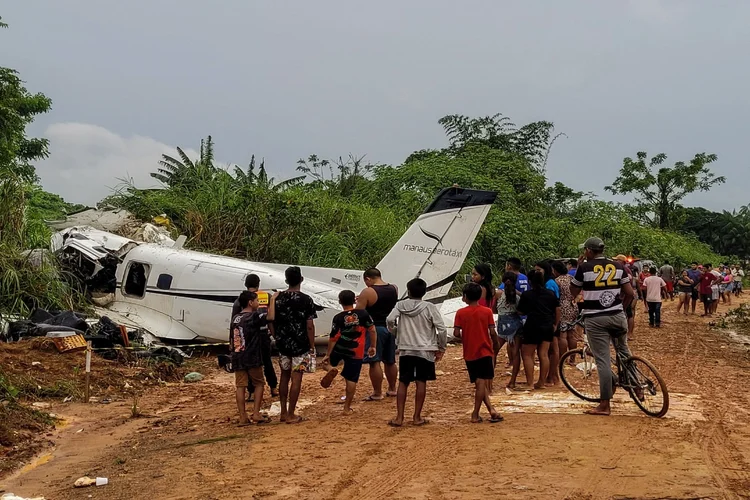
[[648, 392]]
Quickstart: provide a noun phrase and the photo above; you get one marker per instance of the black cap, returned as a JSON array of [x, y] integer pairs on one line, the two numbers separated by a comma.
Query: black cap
[[593, 243]]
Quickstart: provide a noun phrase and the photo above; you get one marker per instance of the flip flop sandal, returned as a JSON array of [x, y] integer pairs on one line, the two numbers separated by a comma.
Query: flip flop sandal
[[246, 424], [478, 421], [327, 379], [420, 424], [391, 394], [264, 420], [394, 424], [496, 418], [373, 398]]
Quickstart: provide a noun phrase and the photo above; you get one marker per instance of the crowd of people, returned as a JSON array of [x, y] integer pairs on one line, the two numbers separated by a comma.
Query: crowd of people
[[693, 284], [538, 318]]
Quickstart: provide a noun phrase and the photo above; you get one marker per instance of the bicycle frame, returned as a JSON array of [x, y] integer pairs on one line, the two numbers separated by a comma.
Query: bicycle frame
[[623, 373]]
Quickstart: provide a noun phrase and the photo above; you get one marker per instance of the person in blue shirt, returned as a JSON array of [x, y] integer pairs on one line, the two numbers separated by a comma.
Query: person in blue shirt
[[549, 280], [572, 266], [513, 265]]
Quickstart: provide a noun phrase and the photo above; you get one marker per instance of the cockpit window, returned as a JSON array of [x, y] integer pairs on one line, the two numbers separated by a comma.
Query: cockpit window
[[135, 282]]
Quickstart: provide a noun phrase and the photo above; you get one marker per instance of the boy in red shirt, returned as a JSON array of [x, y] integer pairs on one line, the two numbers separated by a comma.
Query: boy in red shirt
[[475, 326]]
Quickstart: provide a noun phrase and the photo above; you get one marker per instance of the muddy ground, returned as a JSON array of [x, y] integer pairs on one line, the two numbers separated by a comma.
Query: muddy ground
[[187, 444]]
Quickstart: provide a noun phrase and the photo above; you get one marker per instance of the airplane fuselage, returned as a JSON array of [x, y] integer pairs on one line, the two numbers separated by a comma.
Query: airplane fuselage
[[189, 294]]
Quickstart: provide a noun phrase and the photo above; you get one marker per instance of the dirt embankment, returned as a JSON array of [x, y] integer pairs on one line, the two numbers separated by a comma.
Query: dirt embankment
[[186, 444], [35, 381]]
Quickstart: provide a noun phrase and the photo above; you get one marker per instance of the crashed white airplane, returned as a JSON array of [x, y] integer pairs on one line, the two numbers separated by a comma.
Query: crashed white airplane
[[184, 295]]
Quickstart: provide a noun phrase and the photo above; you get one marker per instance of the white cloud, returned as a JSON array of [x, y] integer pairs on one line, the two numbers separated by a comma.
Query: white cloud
[[86, 161]]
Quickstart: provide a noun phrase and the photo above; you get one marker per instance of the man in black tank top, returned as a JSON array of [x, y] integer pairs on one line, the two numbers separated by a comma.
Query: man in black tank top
[[379, 299]]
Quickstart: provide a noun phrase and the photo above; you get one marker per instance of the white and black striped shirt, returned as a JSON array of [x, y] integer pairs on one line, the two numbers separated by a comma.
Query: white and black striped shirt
[[601, 281]]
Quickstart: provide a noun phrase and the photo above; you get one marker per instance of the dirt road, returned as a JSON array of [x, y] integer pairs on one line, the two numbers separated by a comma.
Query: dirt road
[[188, 446]]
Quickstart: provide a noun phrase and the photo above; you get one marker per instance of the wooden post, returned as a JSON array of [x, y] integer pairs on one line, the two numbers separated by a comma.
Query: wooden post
[[88, 369]]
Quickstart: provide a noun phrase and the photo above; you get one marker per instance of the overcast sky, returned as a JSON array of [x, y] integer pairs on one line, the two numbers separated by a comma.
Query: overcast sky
[[284, 79]]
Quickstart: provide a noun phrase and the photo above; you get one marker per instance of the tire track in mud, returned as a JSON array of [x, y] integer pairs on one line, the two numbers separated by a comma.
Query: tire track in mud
[[404, 465], [607, 477], [726, 463]]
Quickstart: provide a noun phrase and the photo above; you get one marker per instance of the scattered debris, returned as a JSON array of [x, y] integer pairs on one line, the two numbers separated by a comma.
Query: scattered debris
[[40, 405], [193, 377], [12, 496], [85, 481]]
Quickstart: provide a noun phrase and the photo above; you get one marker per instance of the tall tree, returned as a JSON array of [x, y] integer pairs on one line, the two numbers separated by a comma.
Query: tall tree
[[659, 190], [18, 108], [532, 141]]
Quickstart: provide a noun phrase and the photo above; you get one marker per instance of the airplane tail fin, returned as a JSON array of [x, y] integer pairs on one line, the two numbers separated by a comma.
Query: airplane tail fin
[[436, 244]]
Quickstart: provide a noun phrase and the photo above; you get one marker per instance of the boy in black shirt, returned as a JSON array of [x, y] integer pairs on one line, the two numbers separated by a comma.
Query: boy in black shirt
[[347, 344], [247, 359]]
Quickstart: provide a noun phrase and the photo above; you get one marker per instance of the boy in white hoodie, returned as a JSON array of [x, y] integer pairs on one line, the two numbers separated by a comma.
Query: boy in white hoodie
[[421, 338]]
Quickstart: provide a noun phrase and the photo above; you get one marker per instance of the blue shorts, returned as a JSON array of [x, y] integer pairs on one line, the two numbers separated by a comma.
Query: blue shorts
[[385, 350], [352, 367], [508, 327]]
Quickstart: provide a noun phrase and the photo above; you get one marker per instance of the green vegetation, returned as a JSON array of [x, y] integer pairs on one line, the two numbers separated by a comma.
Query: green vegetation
[[25, 282], [350, 213], [659, 193], [727, 232]]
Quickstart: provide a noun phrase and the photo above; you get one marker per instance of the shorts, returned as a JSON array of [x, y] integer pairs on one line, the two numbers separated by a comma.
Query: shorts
[[482, 368], [415, 368], [352, 367], [537, 335], [730, 287], [715, 293], [508, 327], [385, 350], [707, 299], [670, 287], [243, 377], [294, 363], [694, 294]]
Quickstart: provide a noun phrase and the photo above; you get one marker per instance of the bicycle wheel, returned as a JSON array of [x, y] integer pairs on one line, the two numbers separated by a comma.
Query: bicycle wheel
[[646, 387], [578, 372]]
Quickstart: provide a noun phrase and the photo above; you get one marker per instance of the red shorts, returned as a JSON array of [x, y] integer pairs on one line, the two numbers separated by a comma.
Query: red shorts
[[670, 286]]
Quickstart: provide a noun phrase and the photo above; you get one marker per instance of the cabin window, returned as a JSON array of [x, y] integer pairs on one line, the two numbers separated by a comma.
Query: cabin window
[[135, 282], [164, 282]]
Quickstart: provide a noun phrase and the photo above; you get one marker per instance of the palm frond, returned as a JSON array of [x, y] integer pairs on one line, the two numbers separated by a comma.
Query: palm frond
[[186, 161]]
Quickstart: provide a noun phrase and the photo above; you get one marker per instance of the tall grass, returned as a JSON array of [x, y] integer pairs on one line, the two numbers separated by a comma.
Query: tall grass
[[298, 225], [27, 282]]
